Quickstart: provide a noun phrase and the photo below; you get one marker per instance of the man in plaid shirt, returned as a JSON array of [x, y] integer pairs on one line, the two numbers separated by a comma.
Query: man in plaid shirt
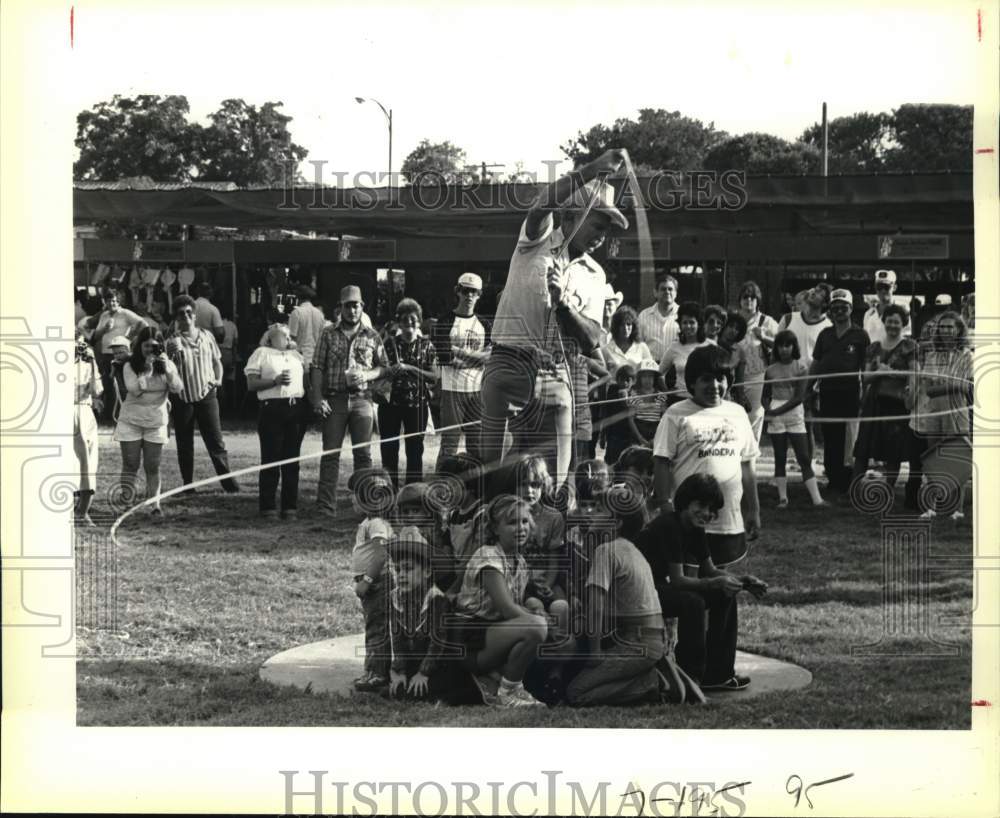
[[347, 358]]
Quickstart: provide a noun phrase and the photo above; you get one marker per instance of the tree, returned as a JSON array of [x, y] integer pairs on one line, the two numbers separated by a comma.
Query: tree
[[435, 163], [931, 137], [762, 153], [145, 136], [248, 145], [857, 143], [658, 140]]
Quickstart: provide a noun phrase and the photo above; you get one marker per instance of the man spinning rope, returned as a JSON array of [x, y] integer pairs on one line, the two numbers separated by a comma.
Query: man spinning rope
[[552, 305]]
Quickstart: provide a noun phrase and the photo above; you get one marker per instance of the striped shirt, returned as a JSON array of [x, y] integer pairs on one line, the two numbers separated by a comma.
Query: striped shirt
[[658, 331], [194, 359]]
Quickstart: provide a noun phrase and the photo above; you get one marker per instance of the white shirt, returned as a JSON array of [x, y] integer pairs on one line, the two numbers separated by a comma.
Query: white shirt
[[523, 315], [614, 357], [872, 324], [306, 325], [206, 315], [268, 363], [658, 331], [467, 333], [807, 335], [676, 356], [713, 440]]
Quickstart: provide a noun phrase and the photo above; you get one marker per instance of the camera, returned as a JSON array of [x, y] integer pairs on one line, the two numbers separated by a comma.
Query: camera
[[156, 349], [83, 352]]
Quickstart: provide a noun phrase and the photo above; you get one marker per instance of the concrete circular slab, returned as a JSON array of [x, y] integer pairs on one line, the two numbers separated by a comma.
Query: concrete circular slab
[[331, 665]]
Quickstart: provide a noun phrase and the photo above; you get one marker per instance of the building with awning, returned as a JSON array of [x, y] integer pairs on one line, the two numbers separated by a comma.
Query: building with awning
[[712, 232]]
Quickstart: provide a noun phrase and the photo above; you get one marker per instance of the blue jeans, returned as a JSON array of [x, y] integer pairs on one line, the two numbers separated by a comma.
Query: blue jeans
[[206, 413], [351, 413], [459, 407]]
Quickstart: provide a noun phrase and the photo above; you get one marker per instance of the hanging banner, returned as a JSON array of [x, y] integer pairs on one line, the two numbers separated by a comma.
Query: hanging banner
[[627, 249], [367, 250], [912, 247]]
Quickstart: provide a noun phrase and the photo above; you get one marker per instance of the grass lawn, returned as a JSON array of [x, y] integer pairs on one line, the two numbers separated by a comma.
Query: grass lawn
[[209, 593]]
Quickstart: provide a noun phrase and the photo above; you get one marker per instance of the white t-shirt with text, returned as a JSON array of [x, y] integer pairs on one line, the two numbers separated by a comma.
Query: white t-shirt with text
[[713, 440]]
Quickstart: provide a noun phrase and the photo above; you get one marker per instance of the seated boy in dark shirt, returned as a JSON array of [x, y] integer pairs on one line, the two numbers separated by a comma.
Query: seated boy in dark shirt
[[674, 540], [423, 662]]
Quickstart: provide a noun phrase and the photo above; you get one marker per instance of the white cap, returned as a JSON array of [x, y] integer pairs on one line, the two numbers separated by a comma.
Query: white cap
[[942, 300], [649, 365], [470, 280], [885, 276], [119, 341], [841, 295]]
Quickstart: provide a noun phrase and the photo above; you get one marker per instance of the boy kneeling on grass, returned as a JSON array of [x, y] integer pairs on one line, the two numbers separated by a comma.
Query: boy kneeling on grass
[[626, 635], [674, 540], [423, 663]]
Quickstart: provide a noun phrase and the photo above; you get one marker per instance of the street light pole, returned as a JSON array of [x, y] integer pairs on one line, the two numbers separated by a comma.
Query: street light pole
[[388, 117]]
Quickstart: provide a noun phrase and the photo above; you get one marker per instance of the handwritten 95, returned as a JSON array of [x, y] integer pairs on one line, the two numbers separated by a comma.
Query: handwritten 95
[[710, 799]]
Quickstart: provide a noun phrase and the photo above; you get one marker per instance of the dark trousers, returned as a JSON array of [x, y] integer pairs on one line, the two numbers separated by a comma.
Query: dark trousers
[[206, 413], [375, 607], [834, 404], [281, 425], [706, 656], [407, 419], [106, 371]]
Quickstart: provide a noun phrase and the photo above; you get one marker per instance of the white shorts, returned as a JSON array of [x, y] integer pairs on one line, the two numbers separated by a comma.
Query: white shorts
[[792, 422], [126, 432]]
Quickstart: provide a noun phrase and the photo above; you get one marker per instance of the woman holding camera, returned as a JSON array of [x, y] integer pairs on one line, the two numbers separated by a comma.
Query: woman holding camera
[[142, 424]]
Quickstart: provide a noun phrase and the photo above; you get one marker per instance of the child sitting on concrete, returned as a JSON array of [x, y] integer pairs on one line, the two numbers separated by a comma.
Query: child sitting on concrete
[[423, 663], [498, 632], [373, 497]]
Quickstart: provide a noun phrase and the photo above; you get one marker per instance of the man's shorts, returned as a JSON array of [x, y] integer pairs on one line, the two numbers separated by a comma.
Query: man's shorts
[[126, 432], [791, 422]]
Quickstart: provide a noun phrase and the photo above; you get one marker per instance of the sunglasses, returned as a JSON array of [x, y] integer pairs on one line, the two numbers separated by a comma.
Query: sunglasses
[[469, 291]]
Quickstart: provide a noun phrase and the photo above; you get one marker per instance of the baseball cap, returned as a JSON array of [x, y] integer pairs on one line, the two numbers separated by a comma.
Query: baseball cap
[[842, 295], [649, 366], [885, 277], [409, 542], [351, 293], [470, 280], [605, 202], [119, 341], [942, 300]]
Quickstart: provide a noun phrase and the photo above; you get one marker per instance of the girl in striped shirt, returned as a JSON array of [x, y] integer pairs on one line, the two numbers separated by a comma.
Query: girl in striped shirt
[[648, 403]]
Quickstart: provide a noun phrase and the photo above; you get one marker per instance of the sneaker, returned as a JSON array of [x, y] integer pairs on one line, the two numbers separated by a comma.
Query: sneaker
[[930, 514], [156, 511], [518, 697], [85, 522], [732, 683], [487, 689], [821, 504], [958, 515], [783, 502], [370, 683], [672, 690]]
